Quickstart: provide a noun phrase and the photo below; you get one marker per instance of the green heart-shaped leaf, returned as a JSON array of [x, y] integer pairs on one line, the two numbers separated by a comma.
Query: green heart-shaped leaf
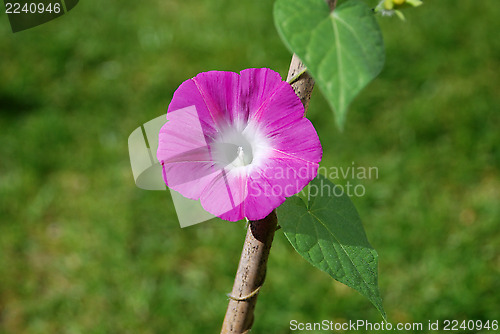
[[343, 50], [327, 232]]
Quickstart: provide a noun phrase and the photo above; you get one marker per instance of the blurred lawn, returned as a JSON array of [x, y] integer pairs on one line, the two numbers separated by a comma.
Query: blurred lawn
[[82, 250]]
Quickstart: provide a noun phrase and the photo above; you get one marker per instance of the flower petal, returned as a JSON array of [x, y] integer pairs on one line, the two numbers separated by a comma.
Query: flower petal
[[257, 86], [272, 104], [305, 146], [184, 154], [291, 164], [225, 195], [280, 177], [214, 94]]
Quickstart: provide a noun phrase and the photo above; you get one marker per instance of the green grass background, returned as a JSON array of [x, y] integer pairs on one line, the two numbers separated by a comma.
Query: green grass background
[[82, 250]]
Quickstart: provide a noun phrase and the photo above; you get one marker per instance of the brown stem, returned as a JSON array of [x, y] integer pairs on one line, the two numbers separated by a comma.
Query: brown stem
[[304, 85], [252, 267], [250, 275]]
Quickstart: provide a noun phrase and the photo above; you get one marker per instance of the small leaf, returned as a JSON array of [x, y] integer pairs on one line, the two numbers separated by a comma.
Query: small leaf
[[343, 50], [327, 232]]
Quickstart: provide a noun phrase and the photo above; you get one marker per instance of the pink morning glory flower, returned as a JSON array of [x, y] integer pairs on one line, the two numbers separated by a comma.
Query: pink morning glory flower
[[239, 143]]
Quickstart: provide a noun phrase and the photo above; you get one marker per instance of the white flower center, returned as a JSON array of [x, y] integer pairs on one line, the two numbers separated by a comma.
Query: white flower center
[[236, 148], [242, 159]]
